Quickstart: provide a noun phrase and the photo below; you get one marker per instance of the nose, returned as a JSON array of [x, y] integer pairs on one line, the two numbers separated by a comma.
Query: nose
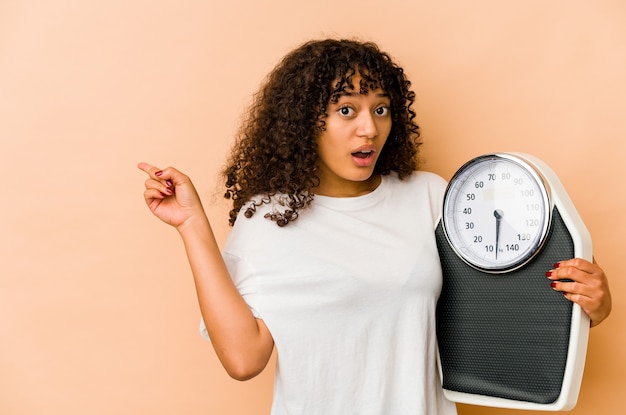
[[367, 126]]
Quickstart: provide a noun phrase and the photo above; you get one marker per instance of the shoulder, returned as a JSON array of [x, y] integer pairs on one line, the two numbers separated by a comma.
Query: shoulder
[[426, 181], [252, 223], [429, 179], [421, 191]]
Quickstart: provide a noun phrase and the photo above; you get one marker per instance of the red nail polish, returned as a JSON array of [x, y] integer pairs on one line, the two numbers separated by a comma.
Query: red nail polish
[[556, 265], [549, 273], [553, 284], [169, 183], [160, 172]]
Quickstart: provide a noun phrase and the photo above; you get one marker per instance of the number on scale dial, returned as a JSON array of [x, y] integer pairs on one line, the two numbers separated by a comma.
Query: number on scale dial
[[497, 212]]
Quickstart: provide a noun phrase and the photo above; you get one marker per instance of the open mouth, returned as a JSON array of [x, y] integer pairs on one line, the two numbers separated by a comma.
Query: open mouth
[[362, 154]]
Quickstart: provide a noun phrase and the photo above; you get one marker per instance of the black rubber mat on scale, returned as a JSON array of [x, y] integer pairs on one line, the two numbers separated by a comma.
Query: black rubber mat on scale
[[505, 335]]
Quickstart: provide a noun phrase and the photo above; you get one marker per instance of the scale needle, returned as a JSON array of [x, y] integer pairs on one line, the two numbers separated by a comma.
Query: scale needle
[[498, 214]]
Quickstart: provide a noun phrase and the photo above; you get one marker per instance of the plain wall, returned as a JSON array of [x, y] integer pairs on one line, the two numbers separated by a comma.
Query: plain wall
[[98, 313]]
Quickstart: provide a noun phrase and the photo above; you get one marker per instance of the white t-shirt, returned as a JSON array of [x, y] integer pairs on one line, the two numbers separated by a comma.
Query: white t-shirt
[[348, 292]]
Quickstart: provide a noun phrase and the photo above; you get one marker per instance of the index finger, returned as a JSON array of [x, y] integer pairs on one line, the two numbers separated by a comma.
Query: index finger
[[580, 264], [148, 168]]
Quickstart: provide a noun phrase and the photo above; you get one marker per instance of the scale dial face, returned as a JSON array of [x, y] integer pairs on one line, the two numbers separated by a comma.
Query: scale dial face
[[496, 212]]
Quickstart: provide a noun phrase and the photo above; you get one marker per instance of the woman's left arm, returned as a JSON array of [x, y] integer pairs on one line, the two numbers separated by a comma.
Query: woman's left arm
[[588, 287]]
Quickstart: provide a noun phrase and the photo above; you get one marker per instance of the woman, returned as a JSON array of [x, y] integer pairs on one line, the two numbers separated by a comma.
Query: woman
[[332, 255]]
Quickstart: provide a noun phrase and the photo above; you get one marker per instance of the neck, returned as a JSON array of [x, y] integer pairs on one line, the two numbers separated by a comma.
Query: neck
[[348, 189]]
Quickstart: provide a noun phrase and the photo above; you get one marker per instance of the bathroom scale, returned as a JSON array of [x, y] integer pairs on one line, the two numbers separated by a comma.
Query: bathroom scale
[[505, 337]]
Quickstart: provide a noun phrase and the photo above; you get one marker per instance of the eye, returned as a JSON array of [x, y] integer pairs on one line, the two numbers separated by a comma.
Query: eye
[[345, 111], [382, 110]]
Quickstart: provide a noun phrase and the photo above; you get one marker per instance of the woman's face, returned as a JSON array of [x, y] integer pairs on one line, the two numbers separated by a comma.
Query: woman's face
[[357, 128]]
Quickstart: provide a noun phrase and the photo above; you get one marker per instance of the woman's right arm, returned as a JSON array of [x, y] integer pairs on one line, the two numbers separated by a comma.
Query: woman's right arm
[[242, 342]]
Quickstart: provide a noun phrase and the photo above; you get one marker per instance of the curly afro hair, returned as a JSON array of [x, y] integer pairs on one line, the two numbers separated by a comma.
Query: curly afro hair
[[276, 152]]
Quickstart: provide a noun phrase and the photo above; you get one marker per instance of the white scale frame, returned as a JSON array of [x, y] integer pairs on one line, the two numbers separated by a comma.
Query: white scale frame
[[580, 322]]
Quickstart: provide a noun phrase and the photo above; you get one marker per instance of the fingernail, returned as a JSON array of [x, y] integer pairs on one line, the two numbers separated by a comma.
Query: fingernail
[[548, 274], [553, 284], [163, 194], [160, 172], [556, 265], [169, 183]]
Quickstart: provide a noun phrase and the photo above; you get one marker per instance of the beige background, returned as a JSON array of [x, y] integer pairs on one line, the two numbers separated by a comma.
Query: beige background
[[97, 307]]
